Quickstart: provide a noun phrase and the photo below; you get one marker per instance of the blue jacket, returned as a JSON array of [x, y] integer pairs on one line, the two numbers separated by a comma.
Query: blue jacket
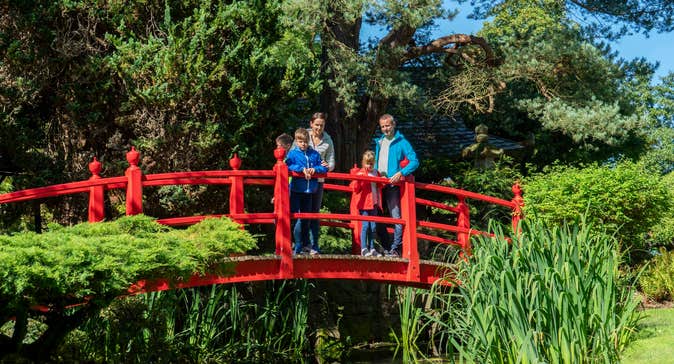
[[299, 159], [399, 149]]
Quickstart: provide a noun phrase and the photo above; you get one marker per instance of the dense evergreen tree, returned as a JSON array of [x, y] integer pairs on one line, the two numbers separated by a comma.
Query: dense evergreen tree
[[187, 82], [558, 87]]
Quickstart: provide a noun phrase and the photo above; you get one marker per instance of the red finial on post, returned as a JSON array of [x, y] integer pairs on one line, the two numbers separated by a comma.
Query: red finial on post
[[279, 154], [95, 168], [133, 157], [518, 201], [235, 162], [96, 193]]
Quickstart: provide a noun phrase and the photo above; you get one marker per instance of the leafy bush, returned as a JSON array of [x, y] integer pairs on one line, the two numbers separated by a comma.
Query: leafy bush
[[662, 233], [95, 263], [551, 296], [657, 281], [626, 198]]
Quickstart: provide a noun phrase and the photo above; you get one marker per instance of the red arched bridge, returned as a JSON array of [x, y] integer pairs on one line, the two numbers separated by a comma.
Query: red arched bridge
[[408, 269]]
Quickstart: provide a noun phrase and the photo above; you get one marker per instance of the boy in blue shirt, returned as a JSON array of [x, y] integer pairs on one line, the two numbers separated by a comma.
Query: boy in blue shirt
[[306, 160]]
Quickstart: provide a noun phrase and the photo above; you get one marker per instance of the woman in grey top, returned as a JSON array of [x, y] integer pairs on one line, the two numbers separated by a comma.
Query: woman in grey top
[[320, 141]]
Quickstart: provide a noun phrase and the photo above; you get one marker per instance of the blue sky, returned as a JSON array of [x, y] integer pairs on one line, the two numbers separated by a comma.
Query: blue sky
[[657, 47]]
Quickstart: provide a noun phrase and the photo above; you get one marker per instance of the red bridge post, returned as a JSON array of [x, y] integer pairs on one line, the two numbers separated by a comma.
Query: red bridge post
[[356, 225], [134, 185], [463, 221], [282, 214], [236, 190], [517, 210], [408, 212], [96, 194]]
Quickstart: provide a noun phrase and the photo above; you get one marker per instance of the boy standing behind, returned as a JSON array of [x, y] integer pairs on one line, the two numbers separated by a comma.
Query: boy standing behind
[[303, 159]]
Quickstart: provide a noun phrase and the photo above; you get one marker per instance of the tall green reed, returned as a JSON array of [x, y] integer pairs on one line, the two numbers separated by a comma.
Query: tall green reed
[[553, 295], [410, 324], [220, 323]]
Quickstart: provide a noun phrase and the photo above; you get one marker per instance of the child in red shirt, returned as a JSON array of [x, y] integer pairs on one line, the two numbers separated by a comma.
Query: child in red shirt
[[367, 197]]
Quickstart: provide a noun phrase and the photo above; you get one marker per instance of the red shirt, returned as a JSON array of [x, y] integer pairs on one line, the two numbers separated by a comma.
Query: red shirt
[[362, 192]]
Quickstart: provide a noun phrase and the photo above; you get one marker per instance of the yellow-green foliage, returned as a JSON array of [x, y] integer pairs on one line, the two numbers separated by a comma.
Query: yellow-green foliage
[[67, 264], [657, 281]]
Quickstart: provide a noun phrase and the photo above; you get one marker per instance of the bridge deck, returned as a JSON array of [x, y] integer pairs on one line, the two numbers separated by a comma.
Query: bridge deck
[[249, 268]]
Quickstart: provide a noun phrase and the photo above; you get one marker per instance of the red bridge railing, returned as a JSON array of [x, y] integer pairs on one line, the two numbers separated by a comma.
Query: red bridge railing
[[408, 269]]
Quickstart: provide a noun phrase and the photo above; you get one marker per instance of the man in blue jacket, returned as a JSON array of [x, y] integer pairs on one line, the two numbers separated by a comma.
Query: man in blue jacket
[[391, 149]]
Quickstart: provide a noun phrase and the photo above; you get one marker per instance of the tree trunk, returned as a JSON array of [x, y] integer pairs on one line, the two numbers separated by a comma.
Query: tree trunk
[[351, 134]]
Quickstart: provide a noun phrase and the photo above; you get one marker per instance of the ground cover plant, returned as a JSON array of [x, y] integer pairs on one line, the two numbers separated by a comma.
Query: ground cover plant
[[93, 264], [653, 342]]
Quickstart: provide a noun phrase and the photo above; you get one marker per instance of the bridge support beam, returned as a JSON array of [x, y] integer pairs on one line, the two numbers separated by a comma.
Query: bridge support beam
[[408, 212], [134, 185], [236, 189], [463, 221], [96, 194], [282, 215]]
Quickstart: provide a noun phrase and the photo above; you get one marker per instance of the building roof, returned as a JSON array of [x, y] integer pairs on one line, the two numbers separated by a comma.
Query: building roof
[[445, 137]]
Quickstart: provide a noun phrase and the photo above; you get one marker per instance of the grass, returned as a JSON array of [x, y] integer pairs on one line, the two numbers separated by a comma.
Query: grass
[[653, 342]]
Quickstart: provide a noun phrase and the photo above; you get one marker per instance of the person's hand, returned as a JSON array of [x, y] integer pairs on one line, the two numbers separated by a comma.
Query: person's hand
[[395, 178], [308, 172], [324, 164]]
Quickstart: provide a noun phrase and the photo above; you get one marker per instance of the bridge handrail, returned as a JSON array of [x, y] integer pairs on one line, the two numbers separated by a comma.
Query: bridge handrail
[[463, 193], [60, 189], [134, 181]]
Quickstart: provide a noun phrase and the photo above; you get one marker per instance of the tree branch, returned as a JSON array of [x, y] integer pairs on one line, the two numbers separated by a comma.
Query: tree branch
[[442, 45]]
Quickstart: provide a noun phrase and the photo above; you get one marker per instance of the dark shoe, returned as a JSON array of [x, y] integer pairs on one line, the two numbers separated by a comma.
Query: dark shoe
[[393, 254]]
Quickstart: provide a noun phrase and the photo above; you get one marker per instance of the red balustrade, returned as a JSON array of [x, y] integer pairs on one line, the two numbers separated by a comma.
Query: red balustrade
[[409, 269]]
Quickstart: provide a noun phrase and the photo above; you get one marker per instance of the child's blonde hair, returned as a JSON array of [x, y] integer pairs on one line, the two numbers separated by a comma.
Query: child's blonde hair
[[302, 134], [368, 158]]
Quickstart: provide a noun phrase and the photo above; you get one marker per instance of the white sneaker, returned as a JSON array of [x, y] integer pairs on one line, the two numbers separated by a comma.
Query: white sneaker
[[364, 252], [313, 252], [367, 253], [374, 253]]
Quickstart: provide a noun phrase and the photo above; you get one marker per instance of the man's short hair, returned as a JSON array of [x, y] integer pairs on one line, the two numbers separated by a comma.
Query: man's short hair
[[302, 134], [387, 117]]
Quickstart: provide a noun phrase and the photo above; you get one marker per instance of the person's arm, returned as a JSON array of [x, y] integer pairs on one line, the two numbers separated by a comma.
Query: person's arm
[[293, 164], [330, 155], [411, 156], [316, 162]]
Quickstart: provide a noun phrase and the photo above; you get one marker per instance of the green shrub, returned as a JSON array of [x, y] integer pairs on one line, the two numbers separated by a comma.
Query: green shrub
[[657, 280], [95, 263], [662, 232], [551, 296], [625, 198]]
